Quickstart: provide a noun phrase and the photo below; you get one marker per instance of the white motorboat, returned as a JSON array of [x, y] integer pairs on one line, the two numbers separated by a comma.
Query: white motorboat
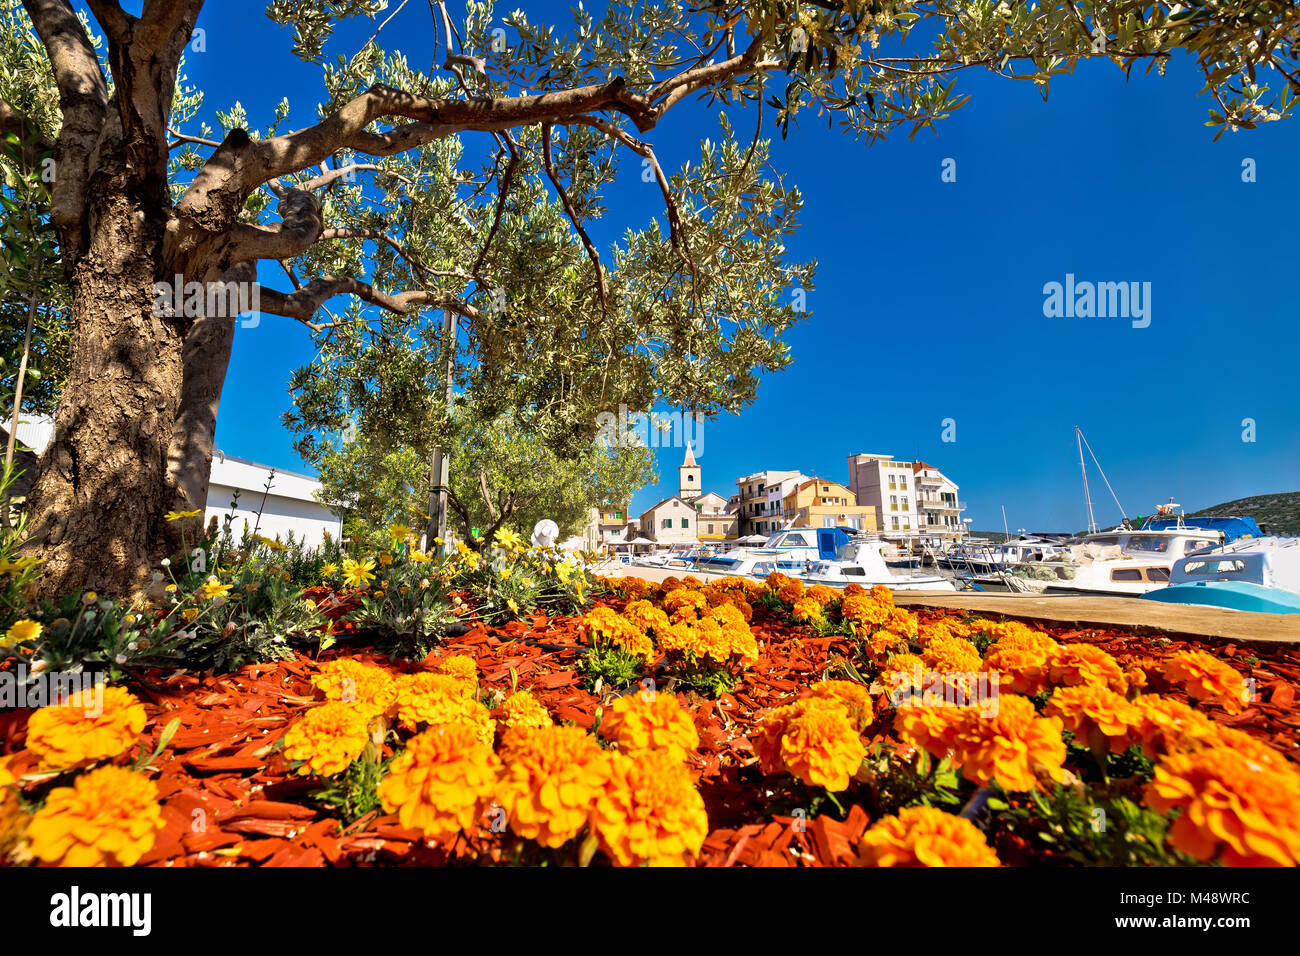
[[861, 562], [1130, 562], [792, 551]]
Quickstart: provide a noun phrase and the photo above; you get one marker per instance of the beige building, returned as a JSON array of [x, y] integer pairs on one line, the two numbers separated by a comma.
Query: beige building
[[672, 521], [821, 503], [715, 524], [898, 490]]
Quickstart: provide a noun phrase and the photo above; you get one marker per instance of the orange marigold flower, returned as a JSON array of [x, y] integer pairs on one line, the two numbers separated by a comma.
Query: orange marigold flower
[[789, 592], [951, 655], [7, 778], [328, 738], [443, 782], [1088, 709], [882, 594], [13, 821], [924, 836], [522, 709], [1205, 677], [649, 811], [109, 816], [1166, 726], [819, 745], [1235, 810], [854, 590], [682, 598], [648, 720], [552, 779], [775, 581], [1022, 659], [854, 697], [1013, 746], [1085, 664], [353, 682], [900, 671], [822, 594], [882, 644], [96, 724], [932, 729]]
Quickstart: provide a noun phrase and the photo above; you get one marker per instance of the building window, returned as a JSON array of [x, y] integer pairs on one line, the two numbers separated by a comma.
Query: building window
[[685, 523], [902, 481], [667, 523], [710, 529]]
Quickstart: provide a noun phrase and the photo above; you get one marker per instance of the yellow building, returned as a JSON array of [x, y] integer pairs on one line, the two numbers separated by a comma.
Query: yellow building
[[821, 503]]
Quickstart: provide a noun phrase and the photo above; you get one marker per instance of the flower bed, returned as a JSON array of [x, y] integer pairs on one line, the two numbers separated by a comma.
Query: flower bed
[[721, 725]]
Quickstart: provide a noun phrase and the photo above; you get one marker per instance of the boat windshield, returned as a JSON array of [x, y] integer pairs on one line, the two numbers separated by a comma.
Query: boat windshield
[[791, 539], [1147, 543], [1206, 568]]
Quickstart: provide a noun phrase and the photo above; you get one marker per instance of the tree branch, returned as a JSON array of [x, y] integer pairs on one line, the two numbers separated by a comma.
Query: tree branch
[[573, 217]]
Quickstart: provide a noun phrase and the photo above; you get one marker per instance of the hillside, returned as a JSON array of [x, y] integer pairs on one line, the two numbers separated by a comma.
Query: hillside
[[1281, 511]]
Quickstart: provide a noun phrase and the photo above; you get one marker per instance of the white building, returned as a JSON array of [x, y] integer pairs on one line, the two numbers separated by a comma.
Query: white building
[[290, 504], [761, 497], [913, 500]]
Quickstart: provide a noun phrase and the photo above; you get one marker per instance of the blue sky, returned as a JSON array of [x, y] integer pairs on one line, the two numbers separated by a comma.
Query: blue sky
[[929, 297]]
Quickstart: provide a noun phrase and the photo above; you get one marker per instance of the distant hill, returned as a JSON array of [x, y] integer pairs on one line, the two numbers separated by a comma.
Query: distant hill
[[1281, 511]]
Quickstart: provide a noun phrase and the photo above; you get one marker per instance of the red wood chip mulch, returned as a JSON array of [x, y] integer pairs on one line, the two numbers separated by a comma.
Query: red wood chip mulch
[[229, 797]]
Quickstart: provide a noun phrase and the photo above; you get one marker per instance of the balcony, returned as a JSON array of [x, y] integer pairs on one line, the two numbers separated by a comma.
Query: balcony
[[940, 505]]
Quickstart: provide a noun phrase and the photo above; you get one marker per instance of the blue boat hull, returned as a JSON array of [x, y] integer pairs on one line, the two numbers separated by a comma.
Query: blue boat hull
[[1234, 595]]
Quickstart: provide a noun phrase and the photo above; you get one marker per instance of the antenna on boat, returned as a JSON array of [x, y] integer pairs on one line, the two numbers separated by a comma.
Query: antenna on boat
[[1006, 532]]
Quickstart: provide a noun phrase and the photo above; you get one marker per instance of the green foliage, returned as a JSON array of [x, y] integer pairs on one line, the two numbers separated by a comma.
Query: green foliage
[[354, 793], [610, 666], [408, 611]]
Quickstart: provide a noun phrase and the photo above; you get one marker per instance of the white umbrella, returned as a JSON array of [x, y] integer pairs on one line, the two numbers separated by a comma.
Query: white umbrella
[[753, 539], [640, 541]]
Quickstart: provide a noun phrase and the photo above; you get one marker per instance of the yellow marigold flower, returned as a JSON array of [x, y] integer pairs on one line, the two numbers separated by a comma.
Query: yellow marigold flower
[[190, 613], [353, 682], [679, 598], [7, 778], [864, 612], [644, 615], [649, 812], [24, 630], [646, 720], [1088, 709], [1085, 664], [443, 782], [109, 816], [328, 738], [178, 515], [607, 624], [442, 699], [924, 836], [213, 587], [521, 709], [852, 696], [357, 574], [1021, 659], [900, 671], [806, 609], [1205, 677], [460, 666], [385, 559], [882, 644], [552, 779], [86, 727], [1235, 810], [901, 622]]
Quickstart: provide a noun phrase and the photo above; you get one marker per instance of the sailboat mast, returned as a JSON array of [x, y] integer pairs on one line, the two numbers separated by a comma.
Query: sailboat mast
[[1087, 497]]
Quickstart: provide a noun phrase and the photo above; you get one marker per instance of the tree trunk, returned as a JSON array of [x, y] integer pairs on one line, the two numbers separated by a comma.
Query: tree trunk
[[97, 506]]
